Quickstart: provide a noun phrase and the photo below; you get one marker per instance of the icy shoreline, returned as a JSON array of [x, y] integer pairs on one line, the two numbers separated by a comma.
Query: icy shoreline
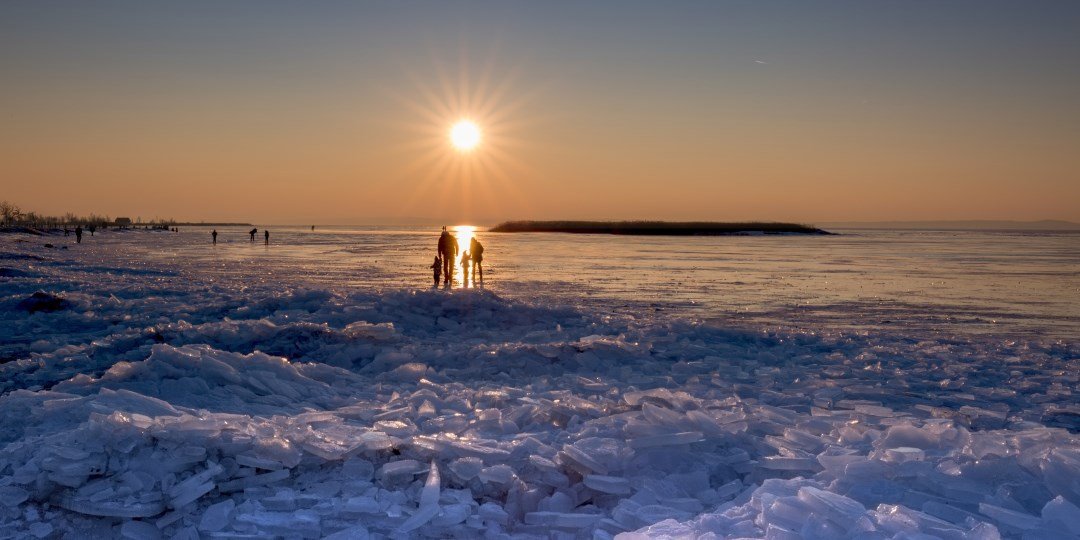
[[149, 405]]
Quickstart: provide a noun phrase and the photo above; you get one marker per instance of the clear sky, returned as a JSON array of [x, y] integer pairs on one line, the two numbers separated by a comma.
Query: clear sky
[[340, 112]]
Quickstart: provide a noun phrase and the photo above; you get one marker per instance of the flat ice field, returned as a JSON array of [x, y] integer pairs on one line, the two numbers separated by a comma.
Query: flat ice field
[[151, 393]]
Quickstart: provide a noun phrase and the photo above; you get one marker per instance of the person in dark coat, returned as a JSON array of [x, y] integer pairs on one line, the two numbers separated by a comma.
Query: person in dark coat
[[213, 236], [266, 237], [448, 250], [477, 251], [78, 234]]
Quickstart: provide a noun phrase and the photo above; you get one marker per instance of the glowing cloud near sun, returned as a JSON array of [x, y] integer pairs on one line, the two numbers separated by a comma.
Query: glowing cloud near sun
[[465, 135]]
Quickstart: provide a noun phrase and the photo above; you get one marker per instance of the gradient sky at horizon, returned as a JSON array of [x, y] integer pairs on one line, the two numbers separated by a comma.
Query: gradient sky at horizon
[[338, 112]]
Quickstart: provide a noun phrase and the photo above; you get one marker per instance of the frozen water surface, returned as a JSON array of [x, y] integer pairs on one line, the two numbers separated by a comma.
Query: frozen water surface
[[872, 385]]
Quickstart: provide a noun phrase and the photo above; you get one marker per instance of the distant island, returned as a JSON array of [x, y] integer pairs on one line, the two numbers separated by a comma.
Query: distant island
[[655, 228]]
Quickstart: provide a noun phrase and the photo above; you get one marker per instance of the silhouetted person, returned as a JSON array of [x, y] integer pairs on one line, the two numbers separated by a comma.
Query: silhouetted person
[[213, 235], [465, 260], [78, 234], [252, 233], [436, 268], [266, 237], [312, 228], [92, 229], [477, 251], [448, 250]]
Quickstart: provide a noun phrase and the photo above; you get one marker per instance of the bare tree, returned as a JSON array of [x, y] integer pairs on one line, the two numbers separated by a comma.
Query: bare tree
[[9, 212]]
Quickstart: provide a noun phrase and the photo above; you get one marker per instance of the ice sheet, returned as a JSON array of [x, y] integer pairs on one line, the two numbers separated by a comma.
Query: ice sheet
[[286, 408]]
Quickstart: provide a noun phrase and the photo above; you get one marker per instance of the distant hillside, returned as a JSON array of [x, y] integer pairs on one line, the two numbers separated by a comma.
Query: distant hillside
[[959, 225], [655, 228]]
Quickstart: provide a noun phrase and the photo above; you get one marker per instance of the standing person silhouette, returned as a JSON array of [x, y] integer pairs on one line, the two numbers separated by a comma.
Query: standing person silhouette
[[78, 234], [266, 237], [477, 251], [448, 250], [213, 235], [436, 267], [252, 233]]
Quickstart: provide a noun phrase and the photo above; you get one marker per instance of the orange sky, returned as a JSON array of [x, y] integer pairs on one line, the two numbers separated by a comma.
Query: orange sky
[[233, 113]]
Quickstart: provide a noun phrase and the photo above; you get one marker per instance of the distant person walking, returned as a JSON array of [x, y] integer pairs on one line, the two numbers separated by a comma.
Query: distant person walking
[[252, 233], [476, 249], [213, 236], [78, 234], [266, 237], [436, 268], [448, 250], [465, 260], [92, 229]]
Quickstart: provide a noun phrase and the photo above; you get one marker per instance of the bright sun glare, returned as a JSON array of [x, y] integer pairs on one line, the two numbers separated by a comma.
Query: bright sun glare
[[465, 135]]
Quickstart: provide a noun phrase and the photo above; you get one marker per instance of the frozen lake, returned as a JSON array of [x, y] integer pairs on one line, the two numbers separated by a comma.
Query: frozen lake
[[1018, 284], [874, 384]]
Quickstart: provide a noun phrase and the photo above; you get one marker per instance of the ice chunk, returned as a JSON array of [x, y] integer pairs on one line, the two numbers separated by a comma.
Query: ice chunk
[[364, 329], [562, 520], [466, 468], [1063, 515], [186, 533], [13, 495], [903, 454], [356, 532], [109, 508], [257, 462], [41, 529], [358, 469], [194, 487], [498, 474], [836, 508], [139, 530], [400, 472], [217, 516], [430, 494], [667, 439], [608, 484], [422, 515], [602, 455], [783, 463], [429, 502], [1011, 518], [302, 523], [494, 513], [452, 514], [253, 481]]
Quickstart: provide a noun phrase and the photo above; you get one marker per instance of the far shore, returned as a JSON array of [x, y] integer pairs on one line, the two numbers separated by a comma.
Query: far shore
[[656, 228], [54, 229]]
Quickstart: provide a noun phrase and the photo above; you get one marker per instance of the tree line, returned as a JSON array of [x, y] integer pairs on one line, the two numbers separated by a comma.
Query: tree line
[[12, 215]]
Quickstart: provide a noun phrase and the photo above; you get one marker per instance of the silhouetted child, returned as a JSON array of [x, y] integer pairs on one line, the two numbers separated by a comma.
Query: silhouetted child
[[266, 237], [437, 268], [466, 260]]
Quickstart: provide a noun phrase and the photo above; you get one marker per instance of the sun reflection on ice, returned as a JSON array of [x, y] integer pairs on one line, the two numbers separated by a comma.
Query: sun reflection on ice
[[464, 234]]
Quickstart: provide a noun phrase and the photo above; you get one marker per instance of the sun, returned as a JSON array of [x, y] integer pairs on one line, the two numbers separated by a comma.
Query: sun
[[465, 135]]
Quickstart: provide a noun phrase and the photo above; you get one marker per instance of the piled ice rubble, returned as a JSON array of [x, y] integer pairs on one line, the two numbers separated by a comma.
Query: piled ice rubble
[[187, 442], [462, 414]]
